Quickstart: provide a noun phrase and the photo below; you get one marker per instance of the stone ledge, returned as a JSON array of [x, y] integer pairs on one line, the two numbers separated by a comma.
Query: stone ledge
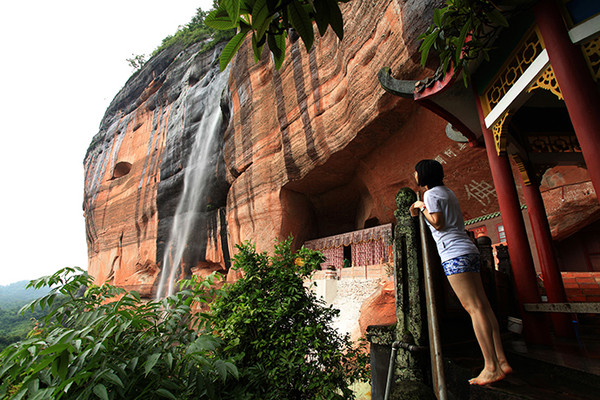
[[577, 308]]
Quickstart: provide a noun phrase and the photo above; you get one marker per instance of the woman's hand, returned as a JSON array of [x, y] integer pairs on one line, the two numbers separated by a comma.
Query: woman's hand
[[436, 219], [416, 207]]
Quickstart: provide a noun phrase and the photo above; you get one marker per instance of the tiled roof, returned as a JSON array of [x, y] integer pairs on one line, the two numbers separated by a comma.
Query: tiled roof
[[488, 216]]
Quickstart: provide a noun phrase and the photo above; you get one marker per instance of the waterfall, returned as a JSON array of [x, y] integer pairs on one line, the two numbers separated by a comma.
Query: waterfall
[[197, 174]]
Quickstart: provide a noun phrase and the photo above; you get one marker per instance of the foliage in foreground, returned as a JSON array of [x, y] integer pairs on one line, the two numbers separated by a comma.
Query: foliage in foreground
[[108, 344], [270, 20], [270, 338], [280, 334], [464, 30]]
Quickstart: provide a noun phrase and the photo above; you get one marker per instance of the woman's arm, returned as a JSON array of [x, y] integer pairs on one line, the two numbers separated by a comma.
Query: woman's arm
[[436, 219]]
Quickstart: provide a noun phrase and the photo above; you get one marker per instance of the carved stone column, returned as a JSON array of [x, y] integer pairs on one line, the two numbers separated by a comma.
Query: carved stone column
[[411, 368]]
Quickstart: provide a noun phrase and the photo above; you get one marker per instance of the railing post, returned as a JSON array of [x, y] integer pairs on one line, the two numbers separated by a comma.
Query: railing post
[[435, 342], [410, 367]]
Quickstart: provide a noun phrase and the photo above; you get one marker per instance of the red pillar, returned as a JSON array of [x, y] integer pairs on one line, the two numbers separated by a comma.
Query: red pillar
[[576, 84], [550, 271], [523, 270]]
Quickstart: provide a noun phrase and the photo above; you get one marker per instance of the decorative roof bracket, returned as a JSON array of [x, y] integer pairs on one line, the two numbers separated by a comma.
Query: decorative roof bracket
[[394, 86], [500, 131]]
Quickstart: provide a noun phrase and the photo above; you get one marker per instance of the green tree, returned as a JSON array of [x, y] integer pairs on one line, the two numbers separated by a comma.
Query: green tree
[[136, 61], [106, 343], [271, 20], [279, 334]]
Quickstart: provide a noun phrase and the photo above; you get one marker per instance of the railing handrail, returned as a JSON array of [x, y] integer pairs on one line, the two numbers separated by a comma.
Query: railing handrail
[[435, 345]]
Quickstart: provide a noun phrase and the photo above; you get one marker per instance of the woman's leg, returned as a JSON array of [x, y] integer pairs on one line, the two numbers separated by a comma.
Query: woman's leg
[[469, 290], [504, 365]]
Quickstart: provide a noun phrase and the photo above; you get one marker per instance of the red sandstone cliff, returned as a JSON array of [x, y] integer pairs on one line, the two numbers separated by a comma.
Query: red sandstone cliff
[[314, 149], [319, 148], [134, 171]]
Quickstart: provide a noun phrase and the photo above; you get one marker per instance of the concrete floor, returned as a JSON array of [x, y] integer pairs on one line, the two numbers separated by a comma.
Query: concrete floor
[[566, 369]]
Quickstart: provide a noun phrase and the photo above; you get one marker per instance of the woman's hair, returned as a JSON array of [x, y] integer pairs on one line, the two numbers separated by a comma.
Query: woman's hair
[[431, 173]]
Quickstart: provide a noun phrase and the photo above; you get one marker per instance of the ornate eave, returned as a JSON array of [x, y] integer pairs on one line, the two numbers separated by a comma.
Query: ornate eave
[[444, 96], [512, 88]]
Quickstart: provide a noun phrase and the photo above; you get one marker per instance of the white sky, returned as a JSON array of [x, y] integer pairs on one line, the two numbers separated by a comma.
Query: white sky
[[61, 63]]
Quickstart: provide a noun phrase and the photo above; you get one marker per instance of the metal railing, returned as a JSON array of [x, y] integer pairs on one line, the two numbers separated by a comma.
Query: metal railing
[[435, 344]]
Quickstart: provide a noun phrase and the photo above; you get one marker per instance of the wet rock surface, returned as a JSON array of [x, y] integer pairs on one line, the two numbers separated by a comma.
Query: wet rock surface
[[134, 172]]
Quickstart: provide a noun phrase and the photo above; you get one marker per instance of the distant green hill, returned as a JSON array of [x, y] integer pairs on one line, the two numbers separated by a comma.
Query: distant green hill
[[14, 326], [15, 293]]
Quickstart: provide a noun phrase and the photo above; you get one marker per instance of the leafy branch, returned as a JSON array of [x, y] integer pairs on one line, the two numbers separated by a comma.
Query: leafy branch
[[464, 30], [271, 21], [103, 342]]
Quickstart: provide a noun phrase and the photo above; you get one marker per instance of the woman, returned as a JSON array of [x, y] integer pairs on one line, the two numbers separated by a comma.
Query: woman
[[460, 259]]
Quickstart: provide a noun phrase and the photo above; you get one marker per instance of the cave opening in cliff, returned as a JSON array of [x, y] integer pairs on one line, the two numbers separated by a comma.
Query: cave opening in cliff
[[371, 222], [121, 169], [355, 187], [334, 210]]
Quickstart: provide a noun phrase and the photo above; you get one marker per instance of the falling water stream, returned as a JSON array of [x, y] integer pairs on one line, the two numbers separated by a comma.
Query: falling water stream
[[197, 174]]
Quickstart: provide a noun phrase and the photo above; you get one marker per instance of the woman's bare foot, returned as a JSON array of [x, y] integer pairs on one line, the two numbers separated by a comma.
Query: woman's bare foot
[[487, 377], [505, 367]]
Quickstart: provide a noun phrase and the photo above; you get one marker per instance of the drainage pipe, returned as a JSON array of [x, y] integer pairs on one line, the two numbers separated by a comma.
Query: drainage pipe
[[435, 345], [390, 375]]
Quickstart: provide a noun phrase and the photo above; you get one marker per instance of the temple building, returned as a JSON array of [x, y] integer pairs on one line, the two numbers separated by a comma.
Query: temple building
[[360, 248], [535, 106]]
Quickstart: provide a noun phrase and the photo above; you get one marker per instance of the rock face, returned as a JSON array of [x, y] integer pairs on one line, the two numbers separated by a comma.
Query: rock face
[[313, 149], [570, 200], [135, 170], [317, 148]]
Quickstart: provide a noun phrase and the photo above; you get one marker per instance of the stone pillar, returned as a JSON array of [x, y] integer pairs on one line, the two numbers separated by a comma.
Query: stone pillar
[[326, 288], [579, 90], [550, 270], [411, 368]]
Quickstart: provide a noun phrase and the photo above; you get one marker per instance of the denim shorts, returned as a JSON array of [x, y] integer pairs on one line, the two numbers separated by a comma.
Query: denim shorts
[[460, 264]]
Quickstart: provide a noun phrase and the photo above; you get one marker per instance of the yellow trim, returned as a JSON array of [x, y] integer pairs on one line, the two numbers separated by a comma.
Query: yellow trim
[[522, 169], [500, 131], [521, 57], [591, 53], [547, 80]]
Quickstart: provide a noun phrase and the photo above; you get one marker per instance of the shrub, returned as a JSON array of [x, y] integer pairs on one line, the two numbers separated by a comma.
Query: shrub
[[106, 343], [280, 334], [269, 338]]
